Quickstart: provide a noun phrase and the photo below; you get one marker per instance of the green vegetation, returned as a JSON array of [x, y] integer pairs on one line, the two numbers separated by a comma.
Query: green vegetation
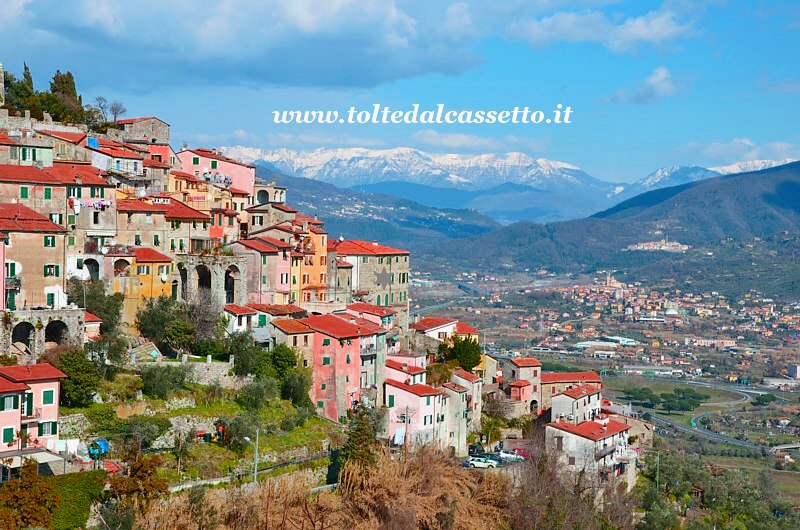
[[78, 491], [29, 501], [764, 399], [467, 352], [159, 380], [83, 377], [361, 445]]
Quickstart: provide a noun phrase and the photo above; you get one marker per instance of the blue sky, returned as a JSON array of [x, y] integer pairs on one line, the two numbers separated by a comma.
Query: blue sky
[[650, 83]]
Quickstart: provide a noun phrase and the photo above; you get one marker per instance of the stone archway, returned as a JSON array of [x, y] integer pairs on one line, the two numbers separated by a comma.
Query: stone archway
[[534, 407], [93, 268], [56, 332], [23, 333], [203, 277], [232, 277], [122, 267], [184, 285], [262, 197]]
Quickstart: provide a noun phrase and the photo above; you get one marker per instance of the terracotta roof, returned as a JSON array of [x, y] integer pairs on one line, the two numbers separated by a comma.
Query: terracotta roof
[[407, 369], [88, 318], [137, 205], [25, 175], [591, 429], [342, 264], [465, 329], [277, 309], [571, 377], [237, 191], [454, 386], [310, 220], [6, 139], [277, 243], [19, 218], [182, 212], [283, 208], [208, 153], [127, 121], [69, 173], [291, 326], [316, 230], [520, 384], [7, 386], [525, 362], [580, 391], [149, 162], [336, 327], [185, 175], [429, 323], [239, 310], [31, 372], [370, 309], [418, 389], [71, 137], [357, 247], [149, 255], [463, 374], [116, 152], [258, 246]]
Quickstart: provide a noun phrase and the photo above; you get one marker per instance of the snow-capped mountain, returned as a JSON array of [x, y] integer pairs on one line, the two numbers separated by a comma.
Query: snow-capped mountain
[[668, 176], [750, 165], [357, 166]]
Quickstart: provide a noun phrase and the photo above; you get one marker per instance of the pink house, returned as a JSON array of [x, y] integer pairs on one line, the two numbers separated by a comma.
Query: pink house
[[211, 166], [380, 315], [521, 391], [404, 372], [337, 360], [29, 396], [269, 265], [91, 326], [416, 412]]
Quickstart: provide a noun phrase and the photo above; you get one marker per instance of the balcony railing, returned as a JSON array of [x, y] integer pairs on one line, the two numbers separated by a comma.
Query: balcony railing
[[602, 453], [13, 283], [34, 414]]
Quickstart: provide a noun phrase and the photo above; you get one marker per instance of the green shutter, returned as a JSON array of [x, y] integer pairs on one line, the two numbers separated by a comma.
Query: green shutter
[[8, 435], [47, 397], [54, 429], [262, 320], [51, 299], [29, 399], [12, 270], [23, 192], [48, 193], [58, 271], [326, 361], [16, 402], [319, 404], [70, 219], [391, 400], [2, 403], [79, 193], [323, 386], [41, 429]]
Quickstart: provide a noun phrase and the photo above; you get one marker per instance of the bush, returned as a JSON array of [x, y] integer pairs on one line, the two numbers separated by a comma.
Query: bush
[[159, 381], [78, 492], [296, 386], [255, 395], [124, 387], [83, 379]]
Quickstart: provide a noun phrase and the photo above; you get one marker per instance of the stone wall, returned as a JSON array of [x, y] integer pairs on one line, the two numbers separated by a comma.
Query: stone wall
[[36, 321]]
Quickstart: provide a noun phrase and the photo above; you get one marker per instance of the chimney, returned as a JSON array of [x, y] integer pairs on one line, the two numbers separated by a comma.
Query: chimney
[[405, 367], [375, 242]]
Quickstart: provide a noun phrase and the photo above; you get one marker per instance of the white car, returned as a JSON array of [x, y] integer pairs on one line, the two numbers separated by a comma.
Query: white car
[[510, 456], [482, 462]]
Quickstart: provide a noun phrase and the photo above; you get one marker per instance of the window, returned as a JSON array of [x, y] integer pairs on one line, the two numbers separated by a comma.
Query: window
[[74, 192], [180, 245], [52, 270], [559, 443], [391, 400], [148, 218], [213, 164], [326, 342], [294, 340], [195, 160], [163, 269], [262, 320], [96, 218], [230, 221], [172, 244], [143, 269], [305, 340], [427, 400], [56, 218], [156, 241], [319, 404], [79, 263], [571, 460], [48, 194], [23, 192], [48, 397], [326, 361], [285, 277], [71, 241], [48, 428], [50, 241], [348, 358], [347, 379], [9, 402], [51, 299], [8, 435], [323, 386]]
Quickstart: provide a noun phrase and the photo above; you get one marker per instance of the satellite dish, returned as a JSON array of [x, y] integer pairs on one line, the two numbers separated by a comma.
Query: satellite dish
[[164, 278], [104, 250], [141, 193]]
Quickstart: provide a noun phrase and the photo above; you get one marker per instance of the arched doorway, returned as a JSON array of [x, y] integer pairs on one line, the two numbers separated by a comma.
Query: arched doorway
[[534, 407], [56, 332], [231, 281], [22, 333], [262, 197], [121, 267], [174, 290], [184, 274], [93, 268], [203, 277]]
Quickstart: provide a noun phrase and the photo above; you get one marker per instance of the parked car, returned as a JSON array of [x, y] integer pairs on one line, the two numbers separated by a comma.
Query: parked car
[[475, 449], [490, 456], [510, 456], [522, 452], [481, 462]]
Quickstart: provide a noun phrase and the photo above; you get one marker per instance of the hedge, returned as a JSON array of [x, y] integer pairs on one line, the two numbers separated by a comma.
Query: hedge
[[78, 492]]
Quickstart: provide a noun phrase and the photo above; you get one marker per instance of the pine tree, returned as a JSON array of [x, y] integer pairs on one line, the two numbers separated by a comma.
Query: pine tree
[[27, 78], [361, 446]]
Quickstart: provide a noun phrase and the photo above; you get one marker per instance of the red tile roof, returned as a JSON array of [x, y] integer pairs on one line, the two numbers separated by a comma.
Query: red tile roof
[[70, 173], [419, 389], [258, 246], [138, 205], [117, 152], [342, 264], [571, 377], [336, 327], [277, 243], [463, 374], [580, 391], [525, 362], [357, 247], [591, 429], [283, 208], [88, 318], [19, 218], [128, 121], [237, 191], [31, 372], [290, 326], [71, 137], [454, 386], [520, 384], [149, 162], [25, 175], [429, 323], [277, 309], [6, 140], [239, 310], [150, 255], [370, 309], [208, 153], [465, 329], [407, 369], [7, 386], [180, 211]]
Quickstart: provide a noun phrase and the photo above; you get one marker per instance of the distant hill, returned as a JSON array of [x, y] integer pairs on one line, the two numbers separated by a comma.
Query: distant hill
[[369, 216], [703, 213]]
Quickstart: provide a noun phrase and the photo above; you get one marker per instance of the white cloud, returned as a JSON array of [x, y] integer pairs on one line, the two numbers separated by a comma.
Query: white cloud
[[471, 143], [657, 86], [458, 20], [316, 139], [596, 26], [740, 149]]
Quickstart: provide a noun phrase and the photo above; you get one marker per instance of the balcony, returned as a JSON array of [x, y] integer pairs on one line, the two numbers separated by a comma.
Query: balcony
[[34, 414], [13, 283], [602, 453]]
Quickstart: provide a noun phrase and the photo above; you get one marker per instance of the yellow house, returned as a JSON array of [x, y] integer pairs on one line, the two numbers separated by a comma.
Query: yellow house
[[140, 273]]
